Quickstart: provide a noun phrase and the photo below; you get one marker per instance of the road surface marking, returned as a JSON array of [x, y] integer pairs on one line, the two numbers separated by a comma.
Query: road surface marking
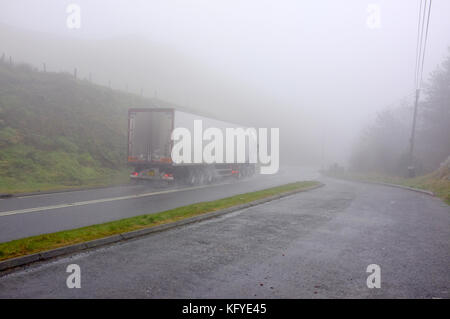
[[103, 200]]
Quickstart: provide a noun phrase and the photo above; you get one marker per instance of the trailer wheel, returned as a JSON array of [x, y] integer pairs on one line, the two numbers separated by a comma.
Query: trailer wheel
[[241, 173], [192, 177], [202, 177], [209, 177]]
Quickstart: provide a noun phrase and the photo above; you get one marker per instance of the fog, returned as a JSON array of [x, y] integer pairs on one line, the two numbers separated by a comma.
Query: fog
[[315, 69]]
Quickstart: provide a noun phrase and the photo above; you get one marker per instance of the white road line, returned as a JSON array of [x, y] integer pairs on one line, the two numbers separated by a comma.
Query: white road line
[[103, 200], [72, 191]]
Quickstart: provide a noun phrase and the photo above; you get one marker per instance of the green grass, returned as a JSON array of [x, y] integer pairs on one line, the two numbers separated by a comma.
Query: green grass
[[437, 182], [57, 132], [106, 177], [44, 242]]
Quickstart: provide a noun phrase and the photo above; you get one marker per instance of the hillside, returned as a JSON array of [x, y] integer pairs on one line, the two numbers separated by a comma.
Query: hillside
[[56, 131], [137, 63]]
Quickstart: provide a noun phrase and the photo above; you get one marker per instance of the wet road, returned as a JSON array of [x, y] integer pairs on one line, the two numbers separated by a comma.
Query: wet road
[[46, 213], [316, 244]]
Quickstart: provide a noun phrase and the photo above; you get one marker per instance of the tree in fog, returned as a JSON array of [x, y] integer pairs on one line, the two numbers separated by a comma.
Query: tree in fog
[[383, 146], [434, 137]]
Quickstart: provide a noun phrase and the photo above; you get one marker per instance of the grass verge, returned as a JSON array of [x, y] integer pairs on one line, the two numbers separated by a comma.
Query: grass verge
[[34, 244], [109, 178], [439, 185]]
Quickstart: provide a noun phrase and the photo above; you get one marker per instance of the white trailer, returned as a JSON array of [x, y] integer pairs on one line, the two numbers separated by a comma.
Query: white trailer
[[150, 147]]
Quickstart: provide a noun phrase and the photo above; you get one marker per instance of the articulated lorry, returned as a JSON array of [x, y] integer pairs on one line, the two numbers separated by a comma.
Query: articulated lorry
[[150, 147]]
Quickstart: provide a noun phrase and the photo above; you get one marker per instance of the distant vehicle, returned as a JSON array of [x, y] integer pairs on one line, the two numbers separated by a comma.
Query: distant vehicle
[[150, 147]]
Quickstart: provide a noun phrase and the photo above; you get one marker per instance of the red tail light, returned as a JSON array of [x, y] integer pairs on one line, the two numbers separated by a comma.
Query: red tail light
[[135, 173]]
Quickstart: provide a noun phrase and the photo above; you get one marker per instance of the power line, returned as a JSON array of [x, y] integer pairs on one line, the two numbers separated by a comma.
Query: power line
[[422, 37], [421, 26], [417, 43], [425, 43]]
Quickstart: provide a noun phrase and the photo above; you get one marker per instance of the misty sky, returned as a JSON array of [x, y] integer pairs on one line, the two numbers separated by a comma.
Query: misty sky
[[316, 60]]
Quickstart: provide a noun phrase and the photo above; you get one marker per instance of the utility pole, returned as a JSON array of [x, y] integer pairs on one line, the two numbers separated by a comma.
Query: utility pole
[[322, 165], [411, 168], [424, 20]]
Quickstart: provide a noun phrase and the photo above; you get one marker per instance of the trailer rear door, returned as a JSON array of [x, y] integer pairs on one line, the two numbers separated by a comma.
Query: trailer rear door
[[149, 133]]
